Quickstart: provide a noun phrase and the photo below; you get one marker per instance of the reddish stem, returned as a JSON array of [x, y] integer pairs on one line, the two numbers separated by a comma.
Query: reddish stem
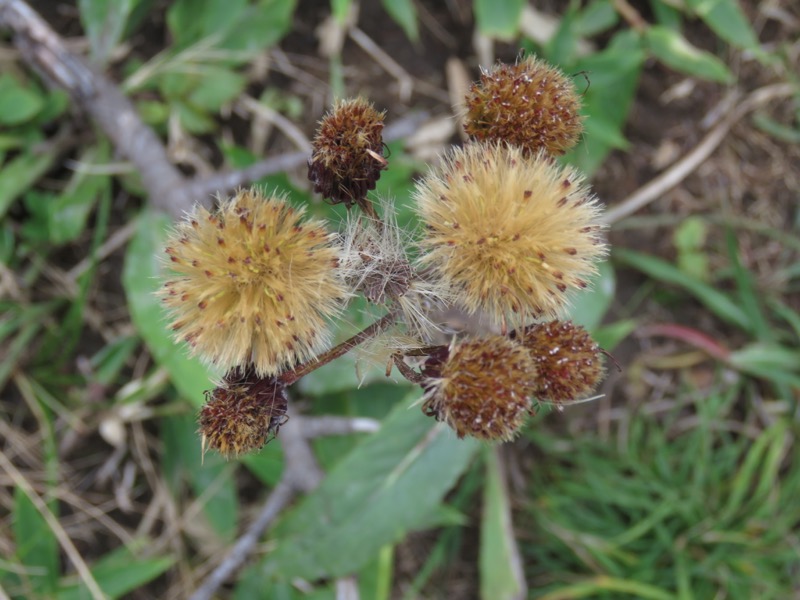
[[362, 336], [693, 337]]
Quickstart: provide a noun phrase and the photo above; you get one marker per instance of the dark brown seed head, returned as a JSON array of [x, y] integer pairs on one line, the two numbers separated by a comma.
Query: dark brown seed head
[[481, 387], [568, 363], [529, 104], [242, 414], [347, 157]]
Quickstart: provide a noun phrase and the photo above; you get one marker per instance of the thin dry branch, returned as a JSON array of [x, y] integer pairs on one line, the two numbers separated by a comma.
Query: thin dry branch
[[682, 168], [43, 49], [167, 189], [301, 474]]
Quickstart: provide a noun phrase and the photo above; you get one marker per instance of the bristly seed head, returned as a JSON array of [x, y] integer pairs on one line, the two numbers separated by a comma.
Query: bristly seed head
[[502, 240], [347, 157], [242, 414], [480, 387], [568, 362], [374, 263], [263, 296], [530, 105]]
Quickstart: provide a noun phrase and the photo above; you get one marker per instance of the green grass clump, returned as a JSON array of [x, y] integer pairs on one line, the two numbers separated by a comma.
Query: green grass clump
[[692, 506]]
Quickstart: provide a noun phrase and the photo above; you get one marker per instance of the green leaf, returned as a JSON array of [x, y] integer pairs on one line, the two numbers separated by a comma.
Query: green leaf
[[267, 464], [389, 485], [104, 23], [216, 87], [109, 361], [610, 336], [591, 305], [141, 277], [597, 17], [17, 102], [613, 79], [671, 48], [375, 579], [500, 565], [190, 21], [727, 20], [37, 546], [19, 174], [768, 361], [209, 476], [263, 25], [717, 302], [231, 24], [562, 48], [70, 211], [192, 118], [498, 18], [404, 13], [340, 9], [118, 573]]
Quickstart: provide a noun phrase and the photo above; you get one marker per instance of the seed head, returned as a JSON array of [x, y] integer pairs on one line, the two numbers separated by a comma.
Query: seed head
[[347, 158], [530, 105], [481, 387], [253, 283], [567, 359], [240, 416], [374, 263], [509, 234]]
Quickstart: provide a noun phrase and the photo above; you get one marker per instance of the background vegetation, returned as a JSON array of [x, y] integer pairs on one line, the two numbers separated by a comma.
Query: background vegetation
[[680, 482]]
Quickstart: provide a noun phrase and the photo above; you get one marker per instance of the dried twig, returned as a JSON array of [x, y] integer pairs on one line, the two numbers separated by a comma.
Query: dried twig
[[681, 169], [167, 189], [43, 49], [301, 474], [58, 531]]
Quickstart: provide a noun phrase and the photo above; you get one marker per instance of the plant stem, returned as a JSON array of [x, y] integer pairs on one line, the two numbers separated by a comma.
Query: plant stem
[[362, 336]]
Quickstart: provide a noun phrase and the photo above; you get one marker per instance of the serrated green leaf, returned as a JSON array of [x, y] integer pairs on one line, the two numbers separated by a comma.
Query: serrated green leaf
[[104, 23], [37, 546], [671, 48], [141, 277], [386, 487], [404, 13], [17, 102], [117, 573], [500, 565], [498, 18]]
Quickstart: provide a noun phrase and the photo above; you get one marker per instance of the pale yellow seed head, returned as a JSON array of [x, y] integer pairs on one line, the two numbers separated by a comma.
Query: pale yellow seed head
[[253, 283], [510, 235]]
